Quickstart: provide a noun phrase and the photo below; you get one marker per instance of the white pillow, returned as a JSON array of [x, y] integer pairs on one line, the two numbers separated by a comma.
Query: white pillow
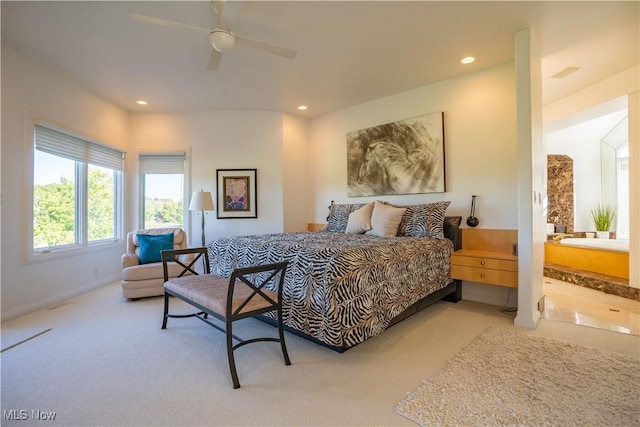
[[360, 220], [385, 220]]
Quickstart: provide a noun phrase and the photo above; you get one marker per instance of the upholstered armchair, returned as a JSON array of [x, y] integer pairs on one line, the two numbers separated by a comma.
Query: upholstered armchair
[[142, 274]]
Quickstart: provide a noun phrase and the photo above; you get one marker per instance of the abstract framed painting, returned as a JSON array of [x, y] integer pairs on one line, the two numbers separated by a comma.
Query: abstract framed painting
[[236, 193], [403, 157]]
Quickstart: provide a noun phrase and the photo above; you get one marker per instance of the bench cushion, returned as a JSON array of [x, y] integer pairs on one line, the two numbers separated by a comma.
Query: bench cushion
[[211, 292]]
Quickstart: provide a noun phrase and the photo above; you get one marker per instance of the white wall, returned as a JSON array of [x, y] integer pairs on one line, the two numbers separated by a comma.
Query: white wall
[[480, 151], [32, 91], [219, 140], [295, 161]]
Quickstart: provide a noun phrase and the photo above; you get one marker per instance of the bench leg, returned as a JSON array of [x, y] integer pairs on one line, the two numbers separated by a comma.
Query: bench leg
[[166, 310], [232, 361], [285, 354]]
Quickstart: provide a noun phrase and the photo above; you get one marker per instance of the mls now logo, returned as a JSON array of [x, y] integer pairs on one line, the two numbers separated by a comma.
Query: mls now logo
[[15, 414], [23, 414]]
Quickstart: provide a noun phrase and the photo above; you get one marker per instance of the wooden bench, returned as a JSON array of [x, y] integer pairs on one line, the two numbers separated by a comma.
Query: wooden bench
[[249, 292]]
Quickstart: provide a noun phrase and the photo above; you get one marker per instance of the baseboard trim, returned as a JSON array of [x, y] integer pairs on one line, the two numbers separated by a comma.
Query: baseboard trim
[[55, 299], [489, 294]]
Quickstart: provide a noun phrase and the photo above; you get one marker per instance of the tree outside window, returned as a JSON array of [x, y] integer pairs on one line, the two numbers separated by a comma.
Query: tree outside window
[[76, 191]]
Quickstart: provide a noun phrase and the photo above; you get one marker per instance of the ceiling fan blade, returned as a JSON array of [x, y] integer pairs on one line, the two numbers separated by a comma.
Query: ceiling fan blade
[[164, 22], [227, 12], [214, 60], [266, 47], [218, 8]]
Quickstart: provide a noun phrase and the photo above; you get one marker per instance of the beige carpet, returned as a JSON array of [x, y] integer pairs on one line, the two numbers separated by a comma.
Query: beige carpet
[[505, 377], [106, 362]]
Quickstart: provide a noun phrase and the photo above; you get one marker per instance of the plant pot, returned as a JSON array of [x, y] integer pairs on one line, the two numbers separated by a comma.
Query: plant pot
[[602, 234]]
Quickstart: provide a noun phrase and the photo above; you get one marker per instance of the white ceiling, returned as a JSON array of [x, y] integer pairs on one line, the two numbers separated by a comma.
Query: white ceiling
[[349, 52]]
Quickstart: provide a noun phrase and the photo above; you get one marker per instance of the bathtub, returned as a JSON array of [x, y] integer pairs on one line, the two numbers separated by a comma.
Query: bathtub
[[609, 244], [601, 256]]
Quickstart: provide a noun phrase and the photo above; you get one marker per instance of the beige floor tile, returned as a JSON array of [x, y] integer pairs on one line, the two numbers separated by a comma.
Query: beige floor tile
[[575, 304]]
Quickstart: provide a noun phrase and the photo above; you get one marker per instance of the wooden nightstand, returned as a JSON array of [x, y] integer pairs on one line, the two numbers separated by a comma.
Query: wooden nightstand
[[487, 257]]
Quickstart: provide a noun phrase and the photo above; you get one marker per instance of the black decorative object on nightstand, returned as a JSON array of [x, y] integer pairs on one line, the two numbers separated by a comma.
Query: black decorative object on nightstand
[[472, 221]]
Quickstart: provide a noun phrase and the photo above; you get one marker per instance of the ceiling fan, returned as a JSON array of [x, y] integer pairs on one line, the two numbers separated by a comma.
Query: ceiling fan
[[221, 39]]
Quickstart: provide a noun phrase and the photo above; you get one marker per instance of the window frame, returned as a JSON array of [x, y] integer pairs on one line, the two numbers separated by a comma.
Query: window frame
[[159, 163], [82, 245], [622, 192]]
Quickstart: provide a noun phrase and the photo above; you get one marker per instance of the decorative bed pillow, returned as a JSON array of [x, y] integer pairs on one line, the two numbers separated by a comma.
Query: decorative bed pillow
[[435, 218], [152, 244], [360, 220], [339, 216], [385, 220], [424, 220]]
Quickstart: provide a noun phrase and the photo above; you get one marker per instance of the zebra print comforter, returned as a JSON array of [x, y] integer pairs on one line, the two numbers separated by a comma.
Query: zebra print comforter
[[342, 289]]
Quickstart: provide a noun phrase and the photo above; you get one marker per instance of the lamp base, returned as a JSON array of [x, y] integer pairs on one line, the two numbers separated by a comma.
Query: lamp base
[[203, 239]]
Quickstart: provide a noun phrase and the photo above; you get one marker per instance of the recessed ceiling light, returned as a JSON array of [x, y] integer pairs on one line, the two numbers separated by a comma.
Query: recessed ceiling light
[[302, 107], [141, 102], [468, 60]]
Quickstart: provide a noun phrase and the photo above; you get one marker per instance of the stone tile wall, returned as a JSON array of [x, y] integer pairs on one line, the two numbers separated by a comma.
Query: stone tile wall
[[560, 190]]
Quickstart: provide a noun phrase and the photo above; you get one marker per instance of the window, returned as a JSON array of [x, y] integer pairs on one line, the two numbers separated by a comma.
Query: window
[[162, 190], [77, 191]]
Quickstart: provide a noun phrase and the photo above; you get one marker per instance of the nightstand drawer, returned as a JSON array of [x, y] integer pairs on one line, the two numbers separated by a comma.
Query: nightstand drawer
[[486, 263], [485, 275]]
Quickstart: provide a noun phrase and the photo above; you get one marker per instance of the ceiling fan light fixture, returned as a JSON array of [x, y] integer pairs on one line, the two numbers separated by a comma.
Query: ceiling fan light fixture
[[222, 40]]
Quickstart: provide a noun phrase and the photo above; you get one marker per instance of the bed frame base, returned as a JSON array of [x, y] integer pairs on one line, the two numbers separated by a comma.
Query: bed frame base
[[289, 329], [450, 293]]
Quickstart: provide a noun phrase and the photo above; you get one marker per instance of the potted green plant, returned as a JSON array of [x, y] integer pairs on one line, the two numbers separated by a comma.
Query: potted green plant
[[603, 216]]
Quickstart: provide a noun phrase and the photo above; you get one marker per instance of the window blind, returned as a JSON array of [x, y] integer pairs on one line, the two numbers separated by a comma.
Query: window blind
[[162, 163], [71, 147]]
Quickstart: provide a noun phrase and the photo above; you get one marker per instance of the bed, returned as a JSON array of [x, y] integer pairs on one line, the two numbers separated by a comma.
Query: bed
[[342, 288]]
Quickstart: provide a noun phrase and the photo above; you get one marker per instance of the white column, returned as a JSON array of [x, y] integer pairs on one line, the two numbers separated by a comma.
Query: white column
[[531, 166]]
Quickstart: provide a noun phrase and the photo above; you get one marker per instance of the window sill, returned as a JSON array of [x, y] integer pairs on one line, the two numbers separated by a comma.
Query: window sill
[[71, 252]]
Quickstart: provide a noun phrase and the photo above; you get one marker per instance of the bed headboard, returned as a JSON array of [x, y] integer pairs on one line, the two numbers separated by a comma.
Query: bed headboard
[[452, 230]]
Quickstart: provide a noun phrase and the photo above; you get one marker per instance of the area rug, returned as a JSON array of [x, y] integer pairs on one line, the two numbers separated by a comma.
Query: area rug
[[509, 378]]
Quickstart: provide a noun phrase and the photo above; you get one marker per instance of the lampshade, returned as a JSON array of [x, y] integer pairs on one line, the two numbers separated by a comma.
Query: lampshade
[[201, 201], [222, 40]]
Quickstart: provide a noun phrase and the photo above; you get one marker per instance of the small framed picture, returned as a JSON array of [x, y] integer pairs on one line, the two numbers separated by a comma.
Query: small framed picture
[[236, 193]]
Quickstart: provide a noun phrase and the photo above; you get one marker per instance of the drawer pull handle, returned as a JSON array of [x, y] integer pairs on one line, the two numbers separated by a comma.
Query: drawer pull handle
[[482, 262], [482, 275]]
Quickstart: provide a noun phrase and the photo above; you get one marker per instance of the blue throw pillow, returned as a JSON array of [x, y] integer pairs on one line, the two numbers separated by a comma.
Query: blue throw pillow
[[152, 244]]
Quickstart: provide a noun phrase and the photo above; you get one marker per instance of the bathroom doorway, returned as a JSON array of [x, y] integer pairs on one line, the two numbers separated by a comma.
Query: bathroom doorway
[[590, 159]]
